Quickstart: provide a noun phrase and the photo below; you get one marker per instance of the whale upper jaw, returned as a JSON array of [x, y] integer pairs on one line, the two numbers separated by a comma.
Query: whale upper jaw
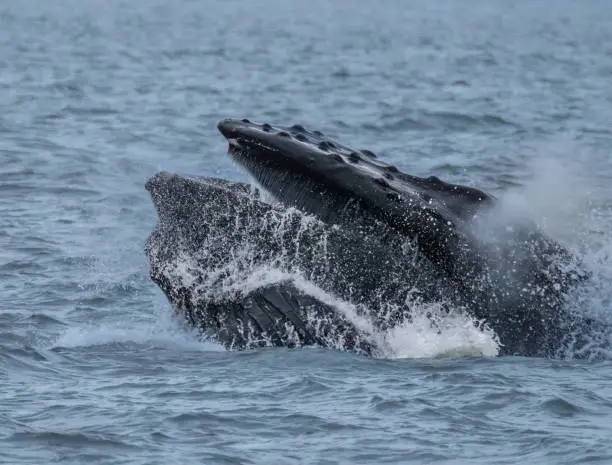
[[325, 166]]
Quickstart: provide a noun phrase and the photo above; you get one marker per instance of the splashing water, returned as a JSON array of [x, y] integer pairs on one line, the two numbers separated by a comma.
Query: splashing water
[[274, 246], [569, 203], [432, 331]]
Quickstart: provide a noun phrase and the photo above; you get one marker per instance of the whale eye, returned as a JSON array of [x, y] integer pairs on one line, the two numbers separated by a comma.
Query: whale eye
[[388, 176], [301, 137], [338, 158], [392, 169], [434, 179], [354, 157], [266, 127], [318, 133], [324, 145], [284, 134], [244, 120], [298, 127]]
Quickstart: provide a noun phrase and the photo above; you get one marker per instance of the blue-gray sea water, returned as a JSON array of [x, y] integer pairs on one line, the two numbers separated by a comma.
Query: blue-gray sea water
[[96, 96]]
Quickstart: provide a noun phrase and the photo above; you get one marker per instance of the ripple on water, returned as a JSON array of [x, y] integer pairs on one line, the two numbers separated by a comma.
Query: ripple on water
[[561, 407], [71, 440]]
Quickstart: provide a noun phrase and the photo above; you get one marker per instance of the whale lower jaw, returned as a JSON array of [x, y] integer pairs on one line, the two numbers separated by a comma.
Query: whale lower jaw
[[212, 237]]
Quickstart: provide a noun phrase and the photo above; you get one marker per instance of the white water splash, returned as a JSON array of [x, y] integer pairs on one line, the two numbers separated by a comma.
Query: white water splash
[[432, 332], [566, 196], [431, 335], [559, 194]]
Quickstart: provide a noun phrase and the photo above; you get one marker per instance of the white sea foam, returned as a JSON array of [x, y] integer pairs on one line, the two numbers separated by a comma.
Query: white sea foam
[[432, 332]]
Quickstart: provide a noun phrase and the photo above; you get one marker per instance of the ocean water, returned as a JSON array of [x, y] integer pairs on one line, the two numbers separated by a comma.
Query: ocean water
[[96, 96]]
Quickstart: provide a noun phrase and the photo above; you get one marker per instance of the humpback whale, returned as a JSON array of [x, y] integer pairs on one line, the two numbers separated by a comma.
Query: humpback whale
[[358, 228]]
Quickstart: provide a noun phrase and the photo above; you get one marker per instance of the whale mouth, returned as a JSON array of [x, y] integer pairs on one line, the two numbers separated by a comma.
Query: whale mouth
[[340, 185], [234, 144], [240, 144]]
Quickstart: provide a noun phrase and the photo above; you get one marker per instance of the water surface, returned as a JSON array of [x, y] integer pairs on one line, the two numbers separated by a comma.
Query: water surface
[[97, 96]]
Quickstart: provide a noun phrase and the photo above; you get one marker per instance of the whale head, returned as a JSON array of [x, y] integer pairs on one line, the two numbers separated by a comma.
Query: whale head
[[339, 184]]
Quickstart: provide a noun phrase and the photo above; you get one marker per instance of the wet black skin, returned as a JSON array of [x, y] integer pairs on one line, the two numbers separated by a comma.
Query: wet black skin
[[519, 288], [203, 222]]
